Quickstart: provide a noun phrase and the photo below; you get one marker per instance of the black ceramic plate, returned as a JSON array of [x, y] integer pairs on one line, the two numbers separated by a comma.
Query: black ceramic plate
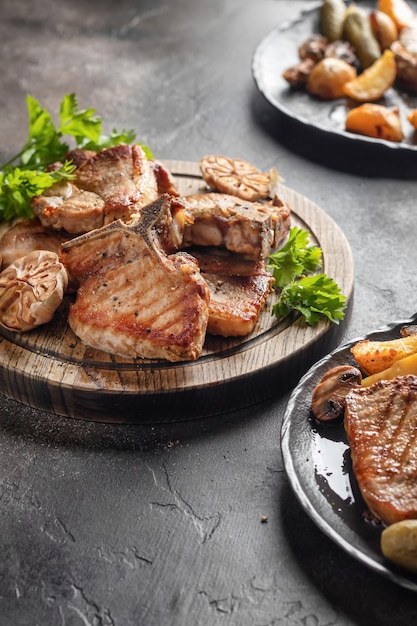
[[317, 462], [279, 50]]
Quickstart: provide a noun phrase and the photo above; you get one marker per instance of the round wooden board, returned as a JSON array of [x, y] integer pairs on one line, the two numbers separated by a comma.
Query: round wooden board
[[50, 369]]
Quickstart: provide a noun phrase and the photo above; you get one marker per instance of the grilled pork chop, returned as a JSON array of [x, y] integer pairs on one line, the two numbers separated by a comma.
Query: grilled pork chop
[[247, 228], [133, 299], [238, 291], [26, 236], [108, 185], [381, 426]]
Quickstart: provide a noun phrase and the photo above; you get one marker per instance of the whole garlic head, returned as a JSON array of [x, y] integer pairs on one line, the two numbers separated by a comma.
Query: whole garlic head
[[31, 290]]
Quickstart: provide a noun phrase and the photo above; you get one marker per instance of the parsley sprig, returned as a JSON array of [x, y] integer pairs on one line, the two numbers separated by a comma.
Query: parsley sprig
[[312, 295], [24, 175]]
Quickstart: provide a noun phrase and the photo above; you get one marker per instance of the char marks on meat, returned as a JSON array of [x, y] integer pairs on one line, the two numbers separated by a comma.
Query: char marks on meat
[[238, 291], [381, 426], [134, 299], [251, 229]]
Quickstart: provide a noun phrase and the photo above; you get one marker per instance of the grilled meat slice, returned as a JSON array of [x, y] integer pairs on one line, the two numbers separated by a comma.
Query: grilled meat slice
[[26, 236], [111, 184], [64, 206], [236, 302], [248, 228], [123, 177], [134, 300], [238, 291], [381, 426], [164, 179]]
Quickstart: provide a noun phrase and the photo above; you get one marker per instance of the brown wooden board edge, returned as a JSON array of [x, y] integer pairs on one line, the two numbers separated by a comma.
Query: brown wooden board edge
[[242, 377]]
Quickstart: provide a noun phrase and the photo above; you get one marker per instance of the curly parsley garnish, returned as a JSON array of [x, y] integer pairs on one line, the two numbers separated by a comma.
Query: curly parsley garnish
[[314, 296], [24, 175]]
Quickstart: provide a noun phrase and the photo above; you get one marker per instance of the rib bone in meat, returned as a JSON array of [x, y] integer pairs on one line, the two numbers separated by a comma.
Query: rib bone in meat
[[134, 299]]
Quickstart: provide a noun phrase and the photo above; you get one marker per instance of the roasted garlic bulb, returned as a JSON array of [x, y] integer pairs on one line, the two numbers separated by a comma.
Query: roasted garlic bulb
[[31, 289], [238, 178]]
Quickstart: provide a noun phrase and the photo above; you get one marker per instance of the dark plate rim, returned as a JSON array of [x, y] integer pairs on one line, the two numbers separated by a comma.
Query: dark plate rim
[[258, 75], [377, 562]]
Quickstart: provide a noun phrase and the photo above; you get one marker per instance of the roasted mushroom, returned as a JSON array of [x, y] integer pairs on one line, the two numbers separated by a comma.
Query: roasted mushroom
[[31, 289], [313, 48], [342, 50], [297, 75], [328, 398]]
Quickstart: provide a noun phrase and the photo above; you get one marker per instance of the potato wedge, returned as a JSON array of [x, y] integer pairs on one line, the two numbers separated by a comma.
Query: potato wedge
[[407, 365], [374, 81], [384, 29], [376, 356], [375, 120]]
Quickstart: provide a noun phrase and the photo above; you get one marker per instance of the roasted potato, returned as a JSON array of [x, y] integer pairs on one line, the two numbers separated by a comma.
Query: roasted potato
[[333, 13], [399, 11], [328, 76], [375, 356], [407, 365], [399, 544], [375, 120], [384, 29], [374, 81]]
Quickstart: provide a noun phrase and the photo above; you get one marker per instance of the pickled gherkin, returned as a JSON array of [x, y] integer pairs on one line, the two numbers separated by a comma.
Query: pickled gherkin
[[332, 17], [358, 31]]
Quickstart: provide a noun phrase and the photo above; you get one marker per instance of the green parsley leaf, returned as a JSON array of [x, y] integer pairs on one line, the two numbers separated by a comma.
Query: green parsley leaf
[[83, 125], [313, 296], [18, 186], [295, 258], [24, 175]]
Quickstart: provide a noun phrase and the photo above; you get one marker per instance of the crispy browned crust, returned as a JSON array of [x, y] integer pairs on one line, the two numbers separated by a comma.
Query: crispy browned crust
[[381, 426], [134, 300]]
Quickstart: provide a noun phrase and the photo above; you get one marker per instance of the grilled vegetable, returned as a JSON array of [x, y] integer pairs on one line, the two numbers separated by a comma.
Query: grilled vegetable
[[332, 17], [376, 356], [384, 29], [328, 77], [357, 30], [399, 11], [403, 367], [374, 81], [399, 544], [375, 120], [328, 399]]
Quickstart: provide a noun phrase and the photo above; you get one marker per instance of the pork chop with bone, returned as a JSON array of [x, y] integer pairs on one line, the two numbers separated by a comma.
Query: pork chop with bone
[[134, 300]]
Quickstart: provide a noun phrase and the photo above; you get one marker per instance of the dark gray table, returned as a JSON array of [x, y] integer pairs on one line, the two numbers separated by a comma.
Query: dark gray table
[[162, 525]]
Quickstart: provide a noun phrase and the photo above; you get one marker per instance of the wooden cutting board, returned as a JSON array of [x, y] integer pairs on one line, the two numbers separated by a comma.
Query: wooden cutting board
[[50, 369]]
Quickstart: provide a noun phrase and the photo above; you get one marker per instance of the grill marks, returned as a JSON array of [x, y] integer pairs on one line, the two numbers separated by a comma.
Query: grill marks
[[381, 425], [137, 301]]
